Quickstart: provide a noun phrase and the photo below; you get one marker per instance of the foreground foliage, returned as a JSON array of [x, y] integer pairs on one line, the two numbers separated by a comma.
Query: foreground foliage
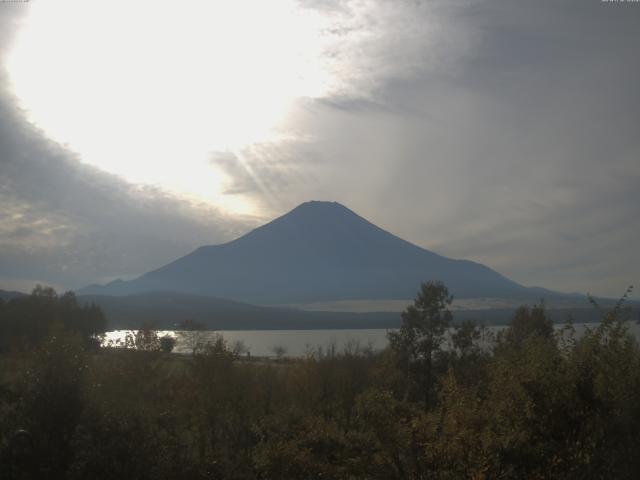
[[530, 404]]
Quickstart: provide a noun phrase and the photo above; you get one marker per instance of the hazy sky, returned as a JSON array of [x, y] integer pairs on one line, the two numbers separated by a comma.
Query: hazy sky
[[503, 132]]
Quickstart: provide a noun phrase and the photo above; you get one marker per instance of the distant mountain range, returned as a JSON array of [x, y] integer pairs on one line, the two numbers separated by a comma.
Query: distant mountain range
[[8, 295], [319, 251], [165, 310]]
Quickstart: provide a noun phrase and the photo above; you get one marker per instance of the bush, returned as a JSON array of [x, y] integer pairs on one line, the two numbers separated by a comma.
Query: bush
[[167, 343]]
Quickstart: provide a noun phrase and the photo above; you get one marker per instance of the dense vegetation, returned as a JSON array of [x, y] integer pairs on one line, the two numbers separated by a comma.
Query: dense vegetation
[[534, 404], [27, 321]]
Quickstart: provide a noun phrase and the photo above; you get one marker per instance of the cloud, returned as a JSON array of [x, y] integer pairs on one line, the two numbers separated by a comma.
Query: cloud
[[264, 171], [67, 223], [369, 43], [505, 134], [502, 132]]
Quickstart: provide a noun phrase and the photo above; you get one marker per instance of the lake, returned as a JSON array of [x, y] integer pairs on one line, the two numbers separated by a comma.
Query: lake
[[298, 343]]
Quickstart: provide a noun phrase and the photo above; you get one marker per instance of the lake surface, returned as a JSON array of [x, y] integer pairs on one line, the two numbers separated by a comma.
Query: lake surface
[[298, 343]]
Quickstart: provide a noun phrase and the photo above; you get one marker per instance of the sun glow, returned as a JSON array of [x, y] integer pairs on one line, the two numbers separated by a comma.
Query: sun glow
[[149, 89]]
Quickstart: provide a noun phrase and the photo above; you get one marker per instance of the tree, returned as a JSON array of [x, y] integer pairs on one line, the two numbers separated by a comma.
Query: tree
[[279, 351], [26, 321], [54, 400], [527, 322], [240, 348], [192, 336], [167, 342], [145, 339], [422, 332], [465, 337]]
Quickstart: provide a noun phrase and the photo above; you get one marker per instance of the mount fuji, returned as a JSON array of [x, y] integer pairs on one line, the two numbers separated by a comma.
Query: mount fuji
[[319, 251]]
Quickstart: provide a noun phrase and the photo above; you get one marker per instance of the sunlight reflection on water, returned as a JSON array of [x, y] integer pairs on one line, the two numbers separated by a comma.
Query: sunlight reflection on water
[[300, 342]]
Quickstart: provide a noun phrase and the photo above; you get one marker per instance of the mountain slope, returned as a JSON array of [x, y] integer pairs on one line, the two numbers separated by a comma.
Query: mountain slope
[[319, 251]]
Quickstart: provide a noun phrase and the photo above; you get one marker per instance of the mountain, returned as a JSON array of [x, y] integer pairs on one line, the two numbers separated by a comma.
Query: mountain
[[319, 251], [7, 295]]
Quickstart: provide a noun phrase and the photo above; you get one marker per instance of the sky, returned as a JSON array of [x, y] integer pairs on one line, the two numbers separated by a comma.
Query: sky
[[497, 131]]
